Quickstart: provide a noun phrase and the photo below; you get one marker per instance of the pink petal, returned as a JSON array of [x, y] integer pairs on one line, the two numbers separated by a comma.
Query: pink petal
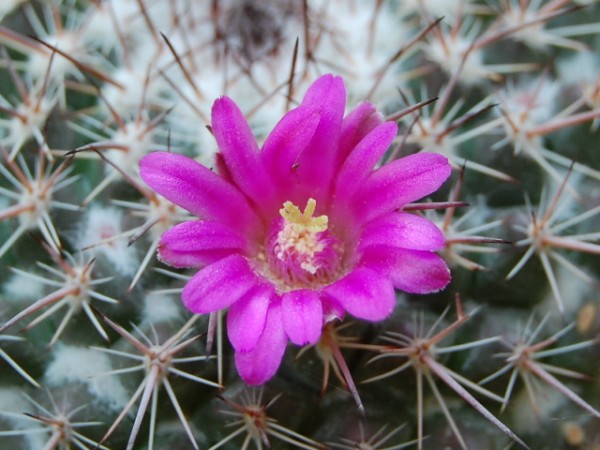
[[360, 162], [239, 149], [195, 243], [302, 316], [246, 318], [364, 293], [400, 229], [414, 271], [260, 364], [287, 141], [321, 159], [219, 285], [195, 188], [400, 182], [357, 124]]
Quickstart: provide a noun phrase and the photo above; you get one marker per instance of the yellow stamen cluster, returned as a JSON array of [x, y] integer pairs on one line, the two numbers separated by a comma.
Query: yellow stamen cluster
[[299, 234], [292, 215]]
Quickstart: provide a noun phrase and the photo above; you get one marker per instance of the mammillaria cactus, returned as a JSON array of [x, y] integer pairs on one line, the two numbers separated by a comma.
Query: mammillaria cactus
[[408, 191]]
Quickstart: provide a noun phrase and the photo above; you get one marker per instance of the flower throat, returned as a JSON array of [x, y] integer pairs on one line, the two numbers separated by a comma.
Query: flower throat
[[301, 252]]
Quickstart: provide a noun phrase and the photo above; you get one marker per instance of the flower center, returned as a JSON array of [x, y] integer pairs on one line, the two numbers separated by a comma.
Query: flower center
[[301, 251], [300, 235]]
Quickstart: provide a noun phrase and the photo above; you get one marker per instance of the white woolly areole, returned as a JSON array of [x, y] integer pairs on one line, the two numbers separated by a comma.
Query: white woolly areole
[[100, 25], [581, 68], [99, 226], [11, 400], [535, 98], [134, 92], [361, 43], [21, 287], [7, 6], [70, 44], [160, 308], [81, 365], [437, 8]]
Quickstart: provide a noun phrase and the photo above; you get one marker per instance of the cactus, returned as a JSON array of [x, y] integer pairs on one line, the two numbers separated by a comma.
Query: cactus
[[221, 221]]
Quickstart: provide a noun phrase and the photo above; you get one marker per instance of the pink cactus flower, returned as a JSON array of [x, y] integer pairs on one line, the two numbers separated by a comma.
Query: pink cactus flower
[[302, 230]]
